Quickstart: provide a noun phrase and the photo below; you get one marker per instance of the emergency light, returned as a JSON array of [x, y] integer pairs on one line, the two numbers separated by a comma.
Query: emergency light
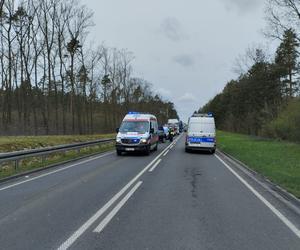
[[209, 114]]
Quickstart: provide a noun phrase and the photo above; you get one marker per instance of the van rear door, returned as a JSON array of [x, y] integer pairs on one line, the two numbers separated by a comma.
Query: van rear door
[[202, 133]]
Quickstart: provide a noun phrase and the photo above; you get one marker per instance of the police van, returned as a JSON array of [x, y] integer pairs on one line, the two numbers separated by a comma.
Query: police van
[[201, 133], [137, 133]]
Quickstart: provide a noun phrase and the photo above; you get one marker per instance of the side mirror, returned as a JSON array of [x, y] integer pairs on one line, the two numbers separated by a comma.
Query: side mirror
[[152, 131], [117, 130]]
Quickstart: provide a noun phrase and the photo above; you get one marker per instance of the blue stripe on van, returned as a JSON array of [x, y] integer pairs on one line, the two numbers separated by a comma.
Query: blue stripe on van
[[201, 139]]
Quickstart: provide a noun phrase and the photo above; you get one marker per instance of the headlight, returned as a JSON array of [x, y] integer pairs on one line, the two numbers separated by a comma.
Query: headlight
[[144, 140], [118, 140]]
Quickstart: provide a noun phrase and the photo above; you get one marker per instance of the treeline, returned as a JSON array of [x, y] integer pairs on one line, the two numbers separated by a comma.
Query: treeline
[[264, 100], [54, 82]]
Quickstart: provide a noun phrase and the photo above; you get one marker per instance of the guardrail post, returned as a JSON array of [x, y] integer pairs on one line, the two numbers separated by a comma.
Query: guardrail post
[[43, 159], [16, 165]]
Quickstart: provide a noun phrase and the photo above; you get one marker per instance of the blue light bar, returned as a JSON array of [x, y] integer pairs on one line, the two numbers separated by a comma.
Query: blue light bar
[[133, 113], [211, 114]]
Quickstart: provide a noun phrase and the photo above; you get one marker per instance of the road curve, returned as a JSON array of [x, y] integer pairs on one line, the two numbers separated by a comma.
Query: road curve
[[168, 200]]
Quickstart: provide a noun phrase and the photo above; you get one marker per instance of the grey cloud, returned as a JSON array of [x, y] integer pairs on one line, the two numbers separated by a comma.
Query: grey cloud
[[164, 92], [172, 29], [242, 5], [185, 60], [187, 98]]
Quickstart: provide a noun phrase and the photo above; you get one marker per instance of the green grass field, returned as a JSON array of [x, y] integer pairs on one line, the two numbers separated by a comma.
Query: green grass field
[[279, 161], [15, 143]]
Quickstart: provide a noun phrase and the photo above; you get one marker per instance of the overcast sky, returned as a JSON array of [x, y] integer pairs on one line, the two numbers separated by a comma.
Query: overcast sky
[[186, 49]]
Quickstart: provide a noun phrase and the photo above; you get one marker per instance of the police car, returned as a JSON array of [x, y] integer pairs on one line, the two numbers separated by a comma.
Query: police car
[[137, 133], [201, 133]]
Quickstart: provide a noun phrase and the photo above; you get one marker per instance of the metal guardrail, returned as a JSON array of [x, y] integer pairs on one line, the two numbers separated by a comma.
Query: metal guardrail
[[43, 152]]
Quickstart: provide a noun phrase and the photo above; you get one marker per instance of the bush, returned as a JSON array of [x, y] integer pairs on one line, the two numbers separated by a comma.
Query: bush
[[287, 125]]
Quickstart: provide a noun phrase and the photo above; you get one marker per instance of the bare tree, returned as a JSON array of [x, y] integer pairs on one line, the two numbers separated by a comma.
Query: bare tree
[[52, 81], [282, 15]]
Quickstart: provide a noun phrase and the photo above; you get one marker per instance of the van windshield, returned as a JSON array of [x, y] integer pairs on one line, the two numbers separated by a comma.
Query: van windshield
[[140, 127], [202, 128]]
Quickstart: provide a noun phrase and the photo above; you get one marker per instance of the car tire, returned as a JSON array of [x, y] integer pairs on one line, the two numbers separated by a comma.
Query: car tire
[[212, 151], [187, 150], [147, 151], [119, 152]]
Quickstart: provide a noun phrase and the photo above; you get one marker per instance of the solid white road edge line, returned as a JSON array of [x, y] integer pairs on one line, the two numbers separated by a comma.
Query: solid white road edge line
[[285, 220], [154, 166], [116, 209], [102, 210], [55, 171]]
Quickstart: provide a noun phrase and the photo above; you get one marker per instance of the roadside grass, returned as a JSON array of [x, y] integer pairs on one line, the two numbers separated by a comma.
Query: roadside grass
[[279, 161], [15, 143], [8, 144]]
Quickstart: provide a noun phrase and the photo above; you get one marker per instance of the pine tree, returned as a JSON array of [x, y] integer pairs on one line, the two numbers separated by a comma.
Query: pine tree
[[286, 61]]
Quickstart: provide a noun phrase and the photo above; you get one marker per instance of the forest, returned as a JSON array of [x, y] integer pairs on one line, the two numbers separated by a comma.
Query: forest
[[55, 80], [265, 99]]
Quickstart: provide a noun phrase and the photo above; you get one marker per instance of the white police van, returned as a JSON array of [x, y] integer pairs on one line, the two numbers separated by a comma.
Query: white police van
[[137, 133], [201, 133]]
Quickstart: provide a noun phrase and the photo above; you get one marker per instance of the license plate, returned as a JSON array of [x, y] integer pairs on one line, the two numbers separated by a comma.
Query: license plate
[[129, 149]]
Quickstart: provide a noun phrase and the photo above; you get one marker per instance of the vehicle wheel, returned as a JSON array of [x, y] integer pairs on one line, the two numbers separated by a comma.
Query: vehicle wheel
[[119, 152], [187, 150], [156, 147], [212, 151], [147, 152]]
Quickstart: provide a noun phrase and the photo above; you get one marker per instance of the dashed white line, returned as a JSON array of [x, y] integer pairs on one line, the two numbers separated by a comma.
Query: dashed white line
[[154, 166], [102, 210], [285, 220], [55, 171], [166, 152], [116, 209]]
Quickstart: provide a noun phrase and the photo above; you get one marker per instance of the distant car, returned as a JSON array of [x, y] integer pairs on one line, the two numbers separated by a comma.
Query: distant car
[[161, 134], [181, 126], [177, 129], [166, 130]]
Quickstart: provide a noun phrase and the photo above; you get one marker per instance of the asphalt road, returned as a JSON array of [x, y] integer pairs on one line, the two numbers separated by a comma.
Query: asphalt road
[[168, 200]]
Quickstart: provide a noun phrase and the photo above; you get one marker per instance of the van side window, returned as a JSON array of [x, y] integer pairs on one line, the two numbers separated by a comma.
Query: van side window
[[154, 125]]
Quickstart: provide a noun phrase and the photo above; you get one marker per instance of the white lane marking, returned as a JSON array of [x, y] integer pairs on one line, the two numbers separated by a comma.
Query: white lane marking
[[172, 146], [55, 171], [154, 166], [166, 152], [116, 209], [285, 220], [102, 210]]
